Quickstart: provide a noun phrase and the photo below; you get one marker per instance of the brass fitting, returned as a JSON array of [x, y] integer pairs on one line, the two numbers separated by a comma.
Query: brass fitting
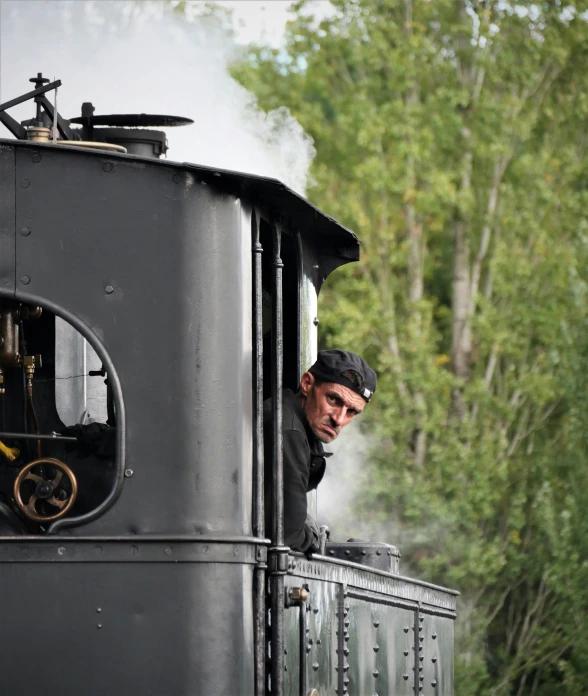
[[38, 134], [298, 594], [30, 363]]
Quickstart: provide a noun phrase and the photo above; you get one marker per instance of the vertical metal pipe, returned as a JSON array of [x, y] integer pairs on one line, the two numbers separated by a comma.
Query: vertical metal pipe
[[277, 369], [259, 630], [278, 552], [258, 472], [302, 640]]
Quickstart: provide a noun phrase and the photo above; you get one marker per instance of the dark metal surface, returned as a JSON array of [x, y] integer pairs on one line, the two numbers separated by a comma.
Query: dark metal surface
[[373, 554], [342, 639], [133, 120], [277, 550], [171, 371], [333, 244], [38, 436], [258, 461], [7, 219], [372, 580], [321, 653], [259, 629], [167, 629], [361, 641], [258, 466], [277, 374], [303, 609], [437, 656], [129, 550], [30, 95]]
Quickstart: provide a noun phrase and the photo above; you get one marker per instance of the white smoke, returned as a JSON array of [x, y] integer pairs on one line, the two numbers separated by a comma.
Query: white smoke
[[346, 475], [137, 57]]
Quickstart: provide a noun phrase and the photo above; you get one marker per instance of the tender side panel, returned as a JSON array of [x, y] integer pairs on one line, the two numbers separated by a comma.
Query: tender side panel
[[367, 634], [381, 649], [394, 657], [318, 630], [437, 662]]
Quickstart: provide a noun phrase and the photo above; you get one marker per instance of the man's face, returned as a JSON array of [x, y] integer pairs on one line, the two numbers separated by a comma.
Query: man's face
[[328, 406]]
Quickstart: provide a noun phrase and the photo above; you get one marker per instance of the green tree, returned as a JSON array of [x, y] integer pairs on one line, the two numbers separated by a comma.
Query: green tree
[[450, 137]]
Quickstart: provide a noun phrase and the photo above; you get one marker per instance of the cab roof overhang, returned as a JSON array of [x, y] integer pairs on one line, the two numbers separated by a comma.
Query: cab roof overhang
[[281, 203]]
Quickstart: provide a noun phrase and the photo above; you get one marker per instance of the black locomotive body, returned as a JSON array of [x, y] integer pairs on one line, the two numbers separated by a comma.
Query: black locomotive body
[[139, 564]]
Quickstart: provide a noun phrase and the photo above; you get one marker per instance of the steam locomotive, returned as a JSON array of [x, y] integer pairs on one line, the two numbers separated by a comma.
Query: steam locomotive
[[147, 309]]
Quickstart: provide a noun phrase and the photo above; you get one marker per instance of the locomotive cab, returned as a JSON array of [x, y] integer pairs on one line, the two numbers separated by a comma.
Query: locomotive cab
[[147, 309]]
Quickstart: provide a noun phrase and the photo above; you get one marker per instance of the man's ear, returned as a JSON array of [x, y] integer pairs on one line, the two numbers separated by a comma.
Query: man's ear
[[306, 382]]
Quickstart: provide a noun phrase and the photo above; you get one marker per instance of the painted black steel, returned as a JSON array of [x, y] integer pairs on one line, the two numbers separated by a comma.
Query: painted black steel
[[13, 126], [127, 550], [7, 220], [128, 629], [193, 233], [303, 642], [342, 635], [332, 243], [393, 601], [277, 368], [41, 436], [333, 570], [258, 465], [30, 95], [259, 613], [277, 551], [133, 120], [374, 554], [258, 461]]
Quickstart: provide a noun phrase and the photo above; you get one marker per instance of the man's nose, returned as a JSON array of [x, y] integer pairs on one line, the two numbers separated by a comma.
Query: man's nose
[[338, 416]]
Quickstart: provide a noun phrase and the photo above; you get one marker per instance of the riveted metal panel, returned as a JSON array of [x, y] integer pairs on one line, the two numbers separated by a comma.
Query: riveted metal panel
[[393, 647], [381, 648], [7, 218], [377, 646], [292, 649], [437, 663], [157, 265], [359, 663], [320, 659], [130, 550], [127, 629], [373, 580]]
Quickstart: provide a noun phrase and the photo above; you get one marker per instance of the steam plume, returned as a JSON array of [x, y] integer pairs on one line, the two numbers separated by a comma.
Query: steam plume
[[129, 57]]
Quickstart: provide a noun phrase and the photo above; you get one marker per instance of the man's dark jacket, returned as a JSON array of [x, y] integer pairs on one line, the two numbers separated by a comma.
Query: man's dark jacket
[[304, 467]]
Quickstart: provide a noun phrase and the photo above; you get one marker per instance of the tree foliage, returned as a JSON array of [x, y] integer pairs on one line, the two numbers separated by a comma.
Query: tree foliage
[[451, 138]]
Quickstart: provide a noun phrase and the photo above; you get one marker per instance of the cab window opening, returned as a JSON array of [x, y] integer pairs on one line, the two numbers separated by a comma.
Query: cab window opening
[[57, 434]]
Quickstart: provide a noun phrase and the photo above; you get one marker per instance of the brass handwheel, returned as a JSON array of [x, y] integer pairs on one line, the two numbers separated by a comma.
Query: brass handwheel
[[49, 493]]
